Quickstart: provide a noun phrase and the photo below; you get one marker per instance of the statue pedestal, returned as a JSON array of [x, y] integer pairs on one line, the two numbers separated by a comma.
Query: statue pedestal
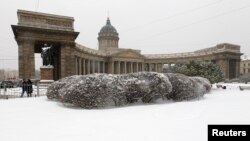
[[47, 74]]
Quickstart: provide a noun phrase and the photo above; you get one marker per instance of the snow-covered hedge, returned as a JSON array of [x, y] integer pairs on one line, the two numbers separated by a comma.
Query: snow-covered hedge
[[90, 91], [102, 90], [204, 84], [53, 90], [144, 86], [183, 87], [186, 88]]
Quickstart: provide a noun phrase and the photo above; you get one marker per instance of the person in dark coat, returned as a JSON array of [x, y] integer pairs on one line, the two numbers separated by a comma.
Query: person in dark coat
[[29, 88], [24, 87]]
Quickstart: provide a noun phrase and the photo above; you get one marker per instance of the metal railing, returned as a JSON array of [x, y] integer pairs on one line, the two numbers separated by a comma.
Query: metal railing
[[10, 91]]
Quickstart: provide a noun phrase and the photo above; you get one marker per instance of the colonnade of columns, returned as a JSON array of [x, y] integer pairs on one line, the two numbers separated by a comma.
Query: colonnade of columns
[[88, 66], [123, 67], [154, 67]]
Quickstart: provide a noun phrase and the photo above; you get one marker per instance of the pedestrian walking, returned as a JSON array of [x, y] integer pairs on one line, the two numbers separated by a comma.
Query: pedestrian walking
[[29, 88], [24, 87]]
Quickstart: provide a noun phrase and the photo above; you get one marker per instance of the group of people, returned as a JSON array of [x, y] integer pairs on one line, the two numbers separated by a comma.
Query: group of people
[[27, 87]]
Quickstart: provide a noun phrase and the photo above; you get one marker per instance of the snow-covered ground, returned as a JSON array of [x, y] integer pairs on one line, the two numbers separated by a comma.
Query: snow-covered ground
[[38, 119]]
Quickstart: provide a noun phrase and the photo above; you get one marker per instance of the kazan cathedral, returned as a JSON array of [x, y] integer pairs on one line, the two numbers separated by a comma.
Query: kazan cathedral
[[35, 29]]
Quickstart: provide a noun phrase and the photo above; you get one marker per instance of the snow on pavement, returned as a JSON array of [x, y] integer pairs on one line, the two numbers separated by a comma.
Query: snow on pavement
[[38, 119]]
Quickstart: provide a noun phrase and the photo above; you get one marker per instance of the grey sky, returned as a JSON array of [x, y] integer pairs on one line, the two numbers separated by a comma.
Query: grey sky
[[153, 26]]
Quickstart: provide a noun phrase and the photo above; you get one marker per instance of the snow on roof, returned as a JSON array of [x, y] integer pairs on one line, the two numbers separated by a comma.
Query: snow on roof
[[89, 50]]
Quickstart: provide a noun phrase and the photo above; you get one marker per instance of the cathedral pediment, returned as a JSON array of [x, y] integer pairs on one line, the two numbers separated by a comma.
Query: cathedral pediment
[[128, 54]]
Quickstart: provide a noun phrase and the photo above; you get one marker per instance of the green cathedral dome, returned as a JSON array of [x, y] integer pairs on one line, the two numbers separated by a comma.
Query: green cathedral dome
[[108, 28]]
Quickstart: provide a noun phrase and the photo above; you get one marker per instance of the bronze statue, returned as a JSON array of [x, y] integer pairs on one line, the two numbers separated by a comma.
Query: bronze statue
[[47, 56]]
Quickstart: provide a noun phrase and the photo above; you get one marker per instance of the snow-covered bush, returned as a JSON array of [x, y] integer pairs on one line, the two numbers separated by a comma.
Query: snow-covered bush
[[91, 91], [205, 84], [145, 86], [187, 88], [183, 88], [102, 90], [53, 89]]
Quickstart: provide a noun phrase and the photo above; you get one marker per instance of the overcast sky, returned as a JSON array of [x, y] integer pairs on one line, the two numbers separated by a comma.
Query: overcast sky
[[153, 26]]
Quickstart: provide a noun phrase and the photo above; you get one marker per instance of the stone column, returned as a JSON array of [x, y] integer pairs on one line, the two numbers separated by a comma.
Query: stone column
[[156, 67], [88, 66], [112, 67], [76, 68], [76, 64], [224, 66], [63, 62], [137, 67], [103, 67], [84, 66], [128, 67], [142, 67], [125, 67], [65, 59], [131, 67], [26, 62], [98, 66], [238, 68], [227, 71], [93, 66], [70, 62], [80, 66], [115, 67], [119, 67], [67, 64]]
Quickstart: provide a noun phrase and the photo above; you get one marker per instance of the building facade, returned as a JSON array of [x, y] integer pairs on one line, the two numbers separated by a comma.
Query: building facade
[[34, 30], [245, 67]]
